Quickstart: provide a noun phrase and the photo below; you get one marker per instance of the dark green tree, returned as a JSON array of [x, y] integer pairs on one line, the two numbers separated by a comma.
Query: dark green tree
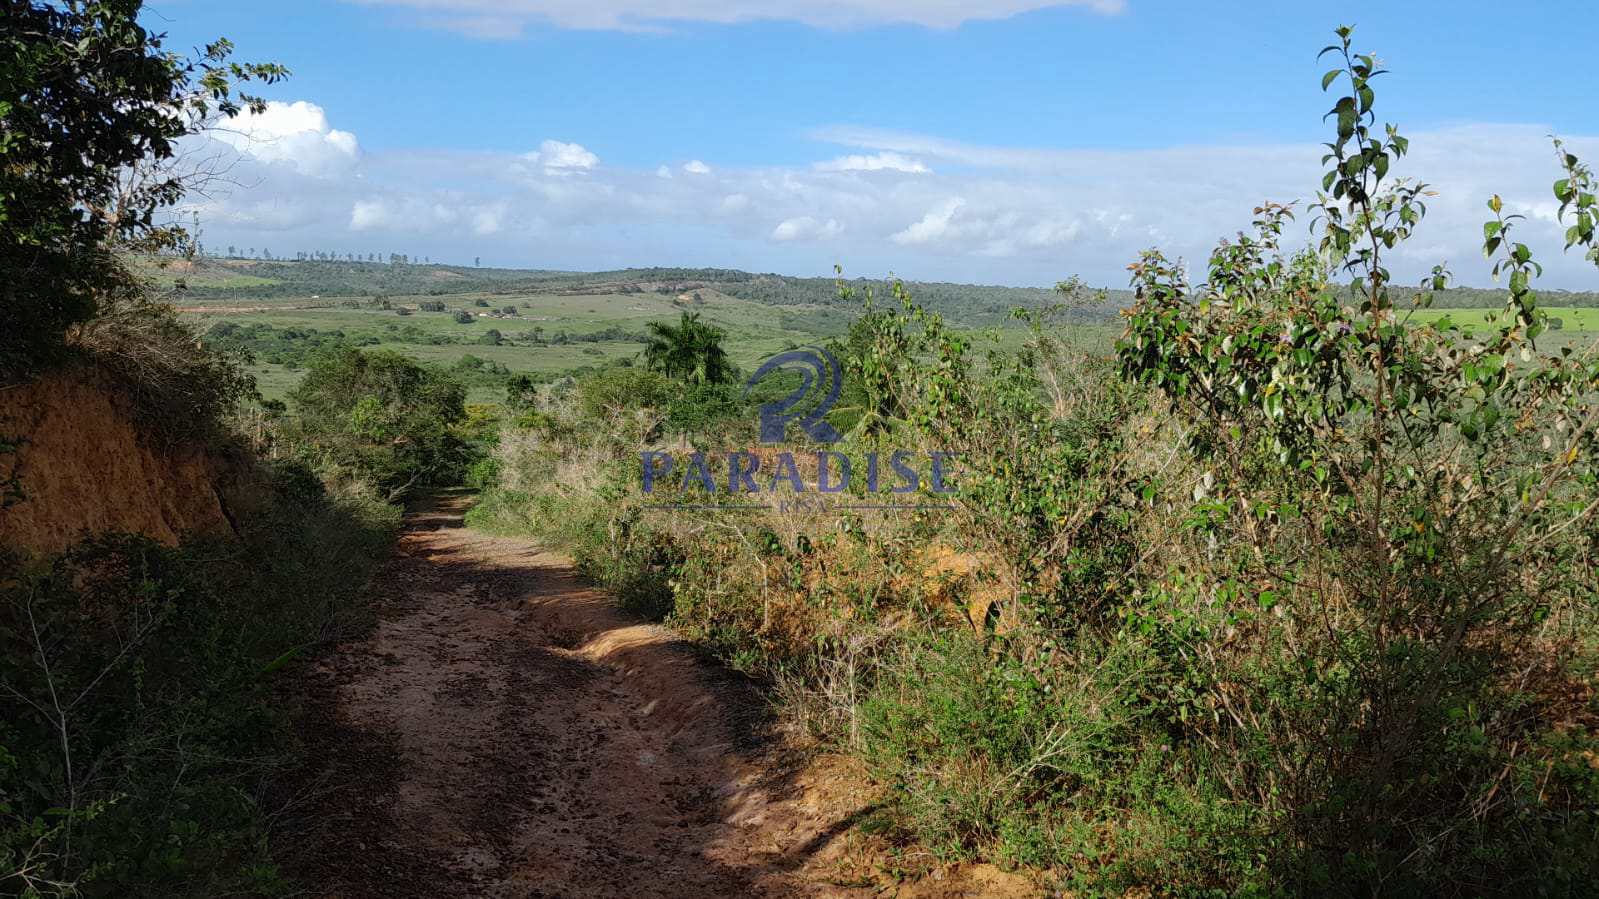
[[92, 109], [689, 351], [384, 416]]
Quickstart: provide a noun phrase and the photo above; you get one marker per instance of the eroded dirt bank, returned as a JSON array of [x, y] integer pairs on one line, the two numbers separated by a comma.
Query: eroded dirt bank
[[76, 462]]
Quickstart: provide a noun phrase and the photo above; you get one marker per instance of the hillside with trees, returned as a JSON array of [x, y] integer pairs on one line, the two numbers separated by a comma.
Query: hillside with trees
[[1261, 578]]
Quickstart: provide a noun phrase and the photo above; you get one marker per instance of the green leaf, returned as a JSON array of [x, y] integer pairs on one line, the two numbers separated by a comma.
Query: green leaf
[[280, 661], [1347, 116], [1518, 282], [1330, 77]]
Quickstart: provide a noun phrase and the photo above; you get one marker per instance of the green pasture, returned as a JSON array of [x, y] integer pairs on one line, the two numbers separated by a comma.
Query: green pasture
[[754, 330], [1569, 318]]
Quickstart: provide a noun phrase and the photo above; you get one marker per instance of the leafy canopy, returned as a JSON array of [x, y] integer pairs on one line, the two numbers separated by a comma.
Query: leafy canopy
[[689, 351], [384, 416], [93, 109]]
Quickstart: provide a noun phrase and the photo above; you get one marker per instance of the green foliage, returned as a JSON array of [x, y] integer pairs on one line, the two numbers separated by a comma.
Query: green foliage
[[139, 735], [615, 390], [263, 342], [1041, 435], [983, 750], [1412, 504], [707, 408], [383, 416], [93, 109], [1577, 195], [689, 351], [1293, 596]]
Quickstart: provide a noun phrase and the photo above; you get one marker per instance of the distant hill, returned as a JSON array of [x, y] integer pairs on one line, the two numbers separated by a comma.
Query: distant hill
[[1485, 298], [243, 280]]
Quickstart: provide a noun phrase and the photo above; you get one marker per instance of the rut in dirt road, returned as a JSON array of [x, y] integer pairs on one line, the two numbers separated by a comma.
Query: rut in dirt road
[[505, 732]]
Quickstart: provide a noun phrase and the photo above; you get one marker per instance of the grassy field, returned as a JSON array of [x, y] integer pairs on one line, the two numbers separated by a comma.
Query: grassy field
[[379, 305], [1578, 319], [755, 331]]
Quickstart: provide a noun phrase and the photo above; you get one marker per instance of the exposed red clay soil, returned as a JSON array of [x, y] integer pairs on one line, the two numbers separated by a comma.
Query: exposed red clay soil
[[82, 467], [505, 731]]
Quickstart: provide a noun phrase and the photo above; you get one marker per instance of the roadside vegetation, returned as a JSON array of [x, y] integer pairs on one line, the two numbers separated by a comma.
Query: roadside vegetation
[[1287, 590], [1292, 594], [145, 742]]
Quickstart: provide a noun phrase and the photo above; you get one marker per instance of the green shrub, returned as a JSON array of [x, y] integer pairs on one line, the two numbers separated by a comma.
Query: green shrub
[[1292, 596], [615, 390], [709, 408], [1387, 527], [978, 749], [381, 415], [182, 388], [483, 473], [140, 740]]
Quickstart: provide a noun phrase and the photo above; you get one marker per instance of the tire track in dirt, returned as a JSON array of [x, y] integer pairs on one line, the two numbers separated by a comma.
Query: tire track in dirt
[[504, 731]]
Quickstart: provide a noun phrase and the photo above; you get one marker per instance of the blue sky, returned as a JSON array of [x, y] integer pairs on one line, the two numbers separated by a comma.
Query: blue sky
[[1010, 141]]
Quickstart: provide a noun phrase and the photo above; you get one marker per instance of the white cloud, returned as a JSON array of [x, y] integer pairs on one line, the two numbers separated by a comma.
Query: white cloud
[[495, 19], [489, 220], [1052, 232], [560, 158], [410, 213], [806, 228], [367, 215], [897, 142], [877, 162], [995, 214], [296, 133], [933, 226]]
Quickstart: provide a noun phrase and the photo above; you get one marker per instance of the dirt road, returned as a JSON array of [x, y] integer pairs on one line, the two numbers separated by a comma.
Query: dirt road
[[506, 732]]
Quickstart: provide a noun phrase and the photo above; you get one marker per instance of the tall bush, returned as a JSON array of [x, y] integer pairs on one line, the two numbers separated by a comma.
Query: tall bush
[[93, 109], [1391, 534], [382, 416]]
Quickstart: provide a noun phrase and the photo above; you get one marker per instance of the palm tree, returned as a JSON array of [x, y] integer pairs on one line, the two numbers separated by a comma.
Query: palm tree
[[690, 351]]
